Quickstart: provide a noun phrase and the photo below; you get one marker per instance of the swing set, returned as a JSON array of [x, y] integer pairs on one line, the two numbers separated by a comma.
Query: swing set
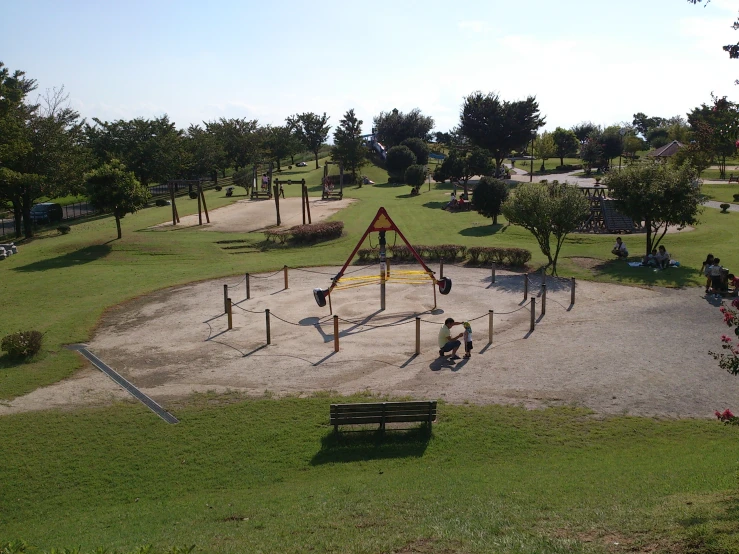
[[381, 224], [331, 182], [261, 186]]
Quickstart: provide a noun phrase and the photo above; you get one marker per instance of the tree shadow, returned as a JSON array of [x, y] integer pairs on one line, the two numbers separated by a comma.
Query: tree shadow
[[357, 446], [483, 230], [619, 270], [434, 205], [78, 257], [515, 283]]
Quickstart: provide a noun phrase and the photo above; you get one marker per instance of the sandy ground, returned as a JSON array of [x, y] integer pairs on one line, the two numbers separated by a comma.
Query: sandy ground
[[245, 216], [617, 350]]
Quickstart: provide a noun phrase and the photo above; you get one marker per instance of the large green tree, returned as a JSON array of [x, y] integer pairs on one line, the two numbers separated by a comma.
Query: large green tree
[[281, 142], [547, 211], [497, 125], [112, 188], [392, 128], [719, 129], [660, 195], [544, 148], [565, 143], [349, 149], [312, 129], [205, 153]]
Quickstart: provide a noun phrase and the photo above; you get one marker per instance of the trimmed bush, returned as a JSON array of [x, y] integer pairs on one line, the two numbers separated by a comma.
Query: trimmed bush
[[218, 188], [419, 148], [725, 208], [193, 195], [367, 254], [736, 198], [277, 235], [399, 158], [23, 344], [64, 229], [415, 175], [161, 202], [317, 231]]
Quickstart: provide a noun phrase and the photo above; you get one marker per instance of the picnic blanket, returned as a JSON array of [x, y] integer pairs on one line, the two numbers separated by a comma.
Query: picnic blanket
[[673, 263]]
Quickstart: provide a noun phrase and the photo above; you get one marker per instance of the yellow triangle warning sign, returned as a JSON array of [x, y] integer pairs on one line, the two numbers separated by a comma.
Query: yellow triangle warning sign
[[382, 222]]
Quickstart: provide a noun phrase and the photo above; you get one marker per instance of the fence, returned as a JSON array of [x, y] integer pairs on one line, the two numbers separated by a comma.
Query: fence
[[528, 281]]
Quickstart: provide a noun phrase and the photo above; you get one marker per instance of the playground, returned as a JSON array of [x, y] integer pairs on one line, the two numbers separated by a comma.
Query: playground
[[174, 342]]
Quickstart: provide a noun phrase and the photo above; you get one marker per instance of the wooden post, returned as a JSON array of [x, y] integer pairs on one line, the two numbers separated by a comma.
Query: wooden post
[[433, 284], [284, 269], [302, 201], [205, 208], [336, 333], [418, 336], [543, 299], [248, 295], [441, 268], [307, 205], [230, 314], [490, 326], [525, 286], [533, 313], [225, 298], [171, 199], [330, 308], [200, 212], [544, 276], [572, 292], [492, 275], [269, 335], [277, 204]]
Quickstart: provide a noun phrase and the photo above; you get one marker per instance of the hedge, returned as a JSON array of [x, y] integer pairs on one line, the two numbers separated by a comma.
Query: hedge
[[452, 253], [313, 232]]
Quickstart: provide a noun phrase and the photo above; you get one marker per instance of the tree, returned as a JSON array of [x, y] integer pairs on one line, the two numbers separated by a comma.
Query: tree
[[280, 142], [419, 148], [453, 167], [547, 211], [112, 188], [349, 149], [544, 148], [205, 153], [632, 145], [312, 129], [719, 128], [392, 128], [612, 144], [489, 196], [643, 123], [477, 162], [658, 194], [415, 175], [565, 143], [582, 130], [499, 126], [241, 139], [443, 138], [399, 158], [590, 154]]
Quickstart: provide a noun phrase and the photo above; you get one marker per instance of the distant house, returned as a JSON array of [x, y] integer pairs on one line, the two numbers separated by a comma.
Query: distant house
[[666, 151]]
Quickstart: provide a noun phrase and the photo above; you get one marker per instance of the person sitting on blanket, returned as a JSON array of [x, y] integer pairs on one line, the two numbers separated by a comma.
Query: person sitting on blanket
[[650, 260], [619, 249], [663, 258]]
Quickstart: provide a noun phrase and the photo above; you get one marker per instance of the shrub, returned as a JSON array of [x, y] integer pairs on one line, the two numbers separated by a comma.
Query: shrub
[[736, 198], [518, 256], [317, 231], [419, 149], [501, 256], [23, 344], [64, 229], [415, 175], [161, 202], [367, 254], [277, 235], [193, 195], [725, 208], [218, 188], [399, 158]]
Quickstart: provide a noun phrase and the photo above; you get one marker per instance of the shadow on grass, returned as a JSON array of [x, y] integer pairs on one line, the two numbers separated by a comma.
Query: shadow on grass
[[619, 270], [435, 205], [78, 257], [357, 446], [482, 230]]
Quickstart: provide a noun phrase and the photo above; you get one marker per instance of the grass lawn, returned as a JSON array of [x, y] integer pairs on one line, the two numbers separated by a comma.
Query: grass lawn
[[721, 193], [269, 476], [266, 475]]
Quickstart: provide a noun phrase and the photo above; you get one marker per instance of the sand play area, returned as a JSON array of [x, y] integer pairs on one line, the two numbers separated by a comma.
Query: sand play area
[[245, 216], [617, 350]]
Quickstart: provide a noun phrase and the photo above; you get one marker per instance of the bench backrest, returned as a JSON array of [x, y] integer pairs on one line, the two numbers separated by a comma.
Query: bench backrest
[[382, 412]]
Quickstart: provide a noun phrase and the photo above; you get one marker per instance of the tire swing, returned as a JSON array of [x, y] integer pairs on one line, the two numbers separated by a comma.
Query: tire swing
[[445, 285]]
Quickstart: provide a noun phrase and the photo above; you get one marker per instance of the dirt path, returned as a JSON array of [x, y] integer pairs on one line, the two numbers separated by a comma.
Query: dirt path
[[618, 350], [248, 215]]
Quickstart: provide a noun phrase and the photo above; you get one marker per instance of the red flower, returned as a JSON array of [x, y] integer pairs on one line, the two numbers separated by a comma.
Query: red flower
[[725, 338], [717, 414], [727, 414]]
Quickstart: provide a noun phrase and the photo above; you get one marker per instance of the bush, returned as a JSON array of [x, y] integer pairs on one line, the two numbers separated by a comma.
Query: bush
[[419, 148], [64, 229], [439, 174], [367, 254], [277, 235], [399, 158], [317, 231], [415, 175], [193, 195], [23, 344], [501, 256], [736, 198], [218, 188], [161, 202], [725, 208]]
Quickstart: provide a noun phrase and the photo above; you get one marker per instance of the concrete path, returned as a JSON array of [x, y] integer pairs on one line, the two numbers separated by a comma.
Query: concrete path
[[717, 205]]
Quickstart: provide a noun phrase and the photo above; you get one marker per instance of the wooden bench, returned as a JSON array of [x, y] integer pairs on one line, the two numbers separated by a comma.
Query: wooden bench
[[733, 179], [382, 413]]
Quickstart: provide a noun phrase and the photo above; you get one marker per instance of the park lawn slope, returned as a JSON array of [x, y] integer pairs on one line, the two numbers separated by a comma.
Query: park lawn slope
[[269, 476]]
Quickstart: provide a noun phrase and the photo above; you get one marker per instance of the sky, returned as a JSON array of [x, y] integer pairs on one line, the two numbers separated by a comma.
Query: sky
[[200, 61]]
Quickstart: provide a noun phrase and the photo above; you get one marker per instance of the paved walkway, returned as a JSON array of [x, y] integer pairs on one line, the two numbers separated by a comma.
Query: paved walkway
[[717, 205]]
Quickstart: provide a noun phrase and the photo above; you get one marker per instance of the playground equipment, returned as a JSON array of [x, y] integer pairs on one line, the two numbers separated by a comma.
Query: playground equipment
[[303, 196], [330, 182], [372, 144], [380, 225], [173, 186], [261, 181]]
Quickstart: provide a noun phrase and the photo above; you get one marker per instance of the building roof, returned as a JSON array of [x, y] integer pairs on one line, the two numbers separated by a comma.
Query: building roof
[[669, 149]]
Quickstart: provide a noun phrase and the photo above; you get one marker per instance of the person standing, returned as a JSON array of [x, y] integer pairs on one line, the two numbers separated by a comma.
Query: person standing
[[446, 342], [467, 339]]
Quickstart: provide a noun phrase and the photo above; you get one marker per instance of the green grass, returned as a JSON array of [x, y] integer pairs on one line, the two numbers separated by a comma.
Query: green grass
[[715, 174], [64, 282], [269, 476], [721, 193]]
